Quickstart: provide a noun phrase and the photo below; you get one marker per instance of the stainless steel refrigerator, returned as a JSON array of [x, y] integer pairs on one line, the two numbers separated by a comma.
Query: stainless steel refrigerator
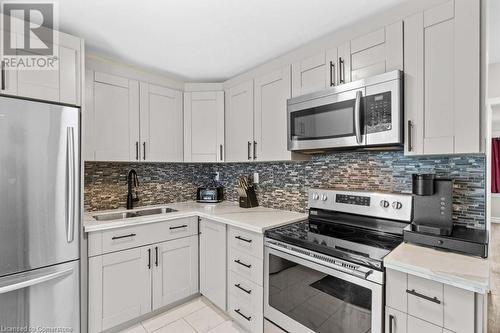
[[39, 216]]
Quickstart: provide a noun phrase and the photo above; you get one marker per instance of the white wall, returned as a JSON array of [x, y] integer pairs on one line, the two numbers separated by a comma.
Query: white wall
[[494, 80]]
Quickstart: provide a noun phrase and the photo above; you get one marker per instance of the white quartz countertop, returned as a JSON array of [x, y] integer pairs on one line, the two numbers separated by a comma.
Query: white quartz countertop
[[461, 271], [256, 219]]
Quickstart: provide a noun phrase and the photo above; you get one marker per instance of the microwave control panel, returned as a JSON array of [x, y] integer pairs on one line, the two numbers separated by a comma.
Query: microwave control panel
[[378, 115]]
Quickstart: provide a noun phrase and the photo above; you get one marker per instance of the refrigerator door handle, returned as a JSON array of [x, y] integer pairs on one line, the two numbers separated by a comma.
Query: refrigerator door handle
[[31, 280], [70, 179]]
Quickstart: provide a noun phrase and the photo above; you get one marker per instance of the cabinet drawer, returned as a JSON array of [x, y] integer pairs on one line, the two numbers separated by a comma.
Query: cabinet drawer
[[416, 325], [246, 242], [246, 265], [425, 299], [246, 315], [139, 235], [245, 291], [395, 321]]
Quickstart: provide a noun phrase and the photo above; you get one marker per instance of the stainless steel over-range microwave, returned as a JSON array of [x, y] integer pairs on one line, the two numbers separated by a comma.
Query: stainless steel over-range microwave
[[362, 114]]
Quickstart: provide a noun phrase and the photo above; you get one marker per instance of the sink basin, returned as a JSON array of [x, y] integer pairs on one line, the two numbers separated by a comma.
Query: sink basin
[[137, 213]]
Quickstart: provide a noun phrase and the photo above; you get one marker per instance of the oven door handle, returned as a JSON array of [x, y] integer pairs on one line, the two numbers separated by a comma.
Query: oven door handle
[[357, 117]]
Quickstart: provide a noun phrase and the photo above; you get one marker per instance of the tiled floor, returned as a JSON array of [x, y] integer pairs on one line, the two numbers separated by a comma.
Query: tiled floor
[[196, 316]]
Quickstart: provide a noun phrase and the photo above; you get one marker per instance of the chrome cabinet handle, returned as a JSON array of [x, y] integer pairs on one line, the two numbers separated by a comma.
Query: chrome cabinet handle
[[70, 185], [3, 74], [26, 281], [137, 150], [243, 239], [357, 117], [410, 134], [241, 288], [156, 256], [248, 150], [332, 73], [149, 258], [238, 311], [124, 236], [220, 151], [238, 261], [341, 70], [255, 150], [391, 319], [427, 298], [144, 150]]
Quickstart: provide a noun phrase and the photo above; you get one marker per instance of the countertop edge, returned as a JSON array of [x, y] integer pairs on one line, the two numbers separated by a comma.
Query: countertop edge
[[445, 279]]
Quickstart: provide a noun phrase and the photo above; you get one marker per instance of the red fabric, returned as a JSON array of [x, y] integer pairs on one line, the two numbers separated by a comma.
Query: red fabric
[[495, 166]]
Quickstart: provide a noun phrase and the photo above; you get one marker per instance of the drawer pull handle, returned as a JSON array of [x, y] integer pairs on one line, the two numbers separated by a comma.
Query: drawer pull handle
[[179, 227], [124, 236], [430, 299], [243, 239], [391, 320], [238, 311], [242, 264], [241, 288]]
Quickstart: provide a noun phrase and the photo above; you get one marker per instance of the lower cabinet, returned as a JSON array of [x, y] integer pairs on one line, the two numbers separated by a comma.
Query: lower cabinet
[[395, 321], [416, 325], [213, 270], [126, 284]]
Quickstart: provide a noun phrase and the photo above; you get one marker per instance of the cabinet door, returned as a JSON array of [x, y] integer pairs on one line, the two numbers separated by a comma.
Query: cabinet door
[[116, 118], [8, 77], [416, 325], [442, 79], [239, 124], [271, 93], [175, 273], [395, 321], [161, 124], [308, 75], [60, 84], [213, 262], [204, 126], [119, 287], [459, 309]]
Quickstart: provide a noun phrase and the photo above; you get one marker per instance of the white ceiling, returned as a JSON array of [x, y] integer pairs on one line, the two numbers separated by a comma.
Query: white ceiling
[[203, 40]]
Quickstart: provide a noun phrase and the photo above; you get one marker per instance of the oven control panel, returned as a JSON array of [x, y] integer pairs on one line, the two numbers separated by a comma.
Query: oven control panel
[[377, 204]]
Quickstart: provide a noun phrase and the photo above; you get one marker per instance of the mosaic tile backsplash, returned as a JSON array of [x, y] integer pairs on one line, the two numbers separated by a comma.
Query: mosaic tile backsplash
[[284, 185]]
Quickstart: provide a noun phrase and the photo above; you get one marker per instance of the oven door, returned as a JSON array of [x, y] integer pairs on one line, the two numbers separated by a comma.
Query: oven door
[[322, 120], [303, 296]]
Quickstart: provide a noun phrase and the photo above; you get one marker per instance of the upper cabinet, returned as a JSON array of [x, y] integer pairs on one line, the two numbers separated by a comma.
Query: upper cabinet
[[442, 83], [239, 122], [62, 84], [204, 126], [130, 121], [161, 130], [370, 54]]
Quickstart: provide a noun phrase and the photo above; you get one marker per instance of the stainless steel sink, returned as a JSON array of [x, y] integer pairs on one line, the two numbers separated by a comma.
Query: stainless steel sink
[[137, 213]]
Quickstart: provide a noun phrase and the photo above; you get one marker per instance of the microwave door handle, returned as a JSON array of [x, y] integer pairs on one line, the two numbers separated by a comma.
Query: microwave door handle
[[357, 117]]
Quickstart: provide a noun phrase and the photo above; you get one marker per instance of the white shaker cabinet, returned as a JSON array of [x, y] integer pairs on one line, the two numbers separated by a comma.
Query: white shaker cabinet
[[239, 122], [213, 268], [175, 272], [113, 119], [204, 126], [270, 126], [161, 124], [119, 287], [442, 84]]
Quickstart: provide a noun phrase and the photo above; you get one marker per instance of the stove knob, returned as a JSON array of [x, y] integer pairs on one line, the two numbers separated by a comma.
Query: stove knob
[[324, 197], [315, 196], [315, 241], [384, 203], [323, 243], [397, 205]]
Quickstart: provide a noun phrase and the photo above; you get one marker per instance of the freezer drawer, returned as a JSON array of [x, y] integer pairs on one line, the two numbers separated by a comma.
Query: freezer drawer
[[42, 300]]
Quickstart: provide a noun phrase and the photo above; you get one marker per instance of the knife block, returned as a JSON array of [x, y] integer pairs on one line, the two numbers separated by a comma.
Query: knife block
[[250, 200]]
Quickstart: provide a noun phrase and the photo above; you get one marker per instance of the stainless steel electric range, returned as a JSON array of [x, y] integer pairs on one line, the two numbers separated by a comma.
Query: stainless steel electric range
[[326, 274]]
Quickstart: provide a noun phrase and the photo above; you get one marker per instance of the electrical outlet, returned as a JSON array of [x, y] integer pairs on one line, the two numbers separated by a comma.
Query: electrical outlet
[[217, 176], [256, 177]]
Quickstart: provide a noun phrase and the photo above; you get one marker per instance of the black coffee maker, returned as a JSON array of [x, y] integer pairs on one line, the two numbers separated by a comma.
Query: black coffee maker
[[432, 204]]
